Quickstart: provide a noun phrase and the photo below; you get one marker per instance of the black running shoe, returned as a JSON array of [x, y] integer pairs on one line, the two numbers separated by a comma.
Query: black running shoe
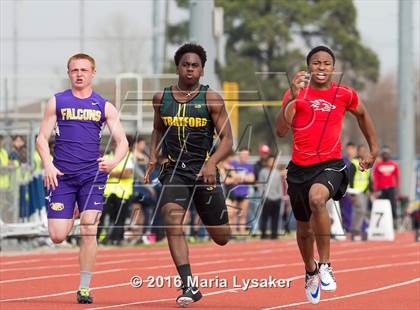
[[83, 296], [189, 295]]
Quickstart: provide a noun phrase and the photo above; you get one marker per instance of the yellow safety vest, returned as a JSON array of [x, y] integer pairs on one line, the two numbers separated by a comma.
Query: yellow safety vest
[[37, 163], [361, 178], [4, 175], [122, 188]]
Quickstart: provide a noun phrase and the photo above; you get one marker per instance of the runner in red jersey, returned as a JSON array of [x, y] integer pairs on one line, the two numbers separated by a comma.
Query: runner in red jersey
[[386, 181], [317, 172], [317, 123]]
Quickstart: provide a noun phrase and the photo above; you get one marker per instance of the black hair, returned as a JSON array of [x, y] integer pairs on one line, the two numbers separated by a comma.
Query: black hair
[[190, 48], [139, 139], [350, 144], [386, 149], [244, 148], [130, 140], [318, 49]]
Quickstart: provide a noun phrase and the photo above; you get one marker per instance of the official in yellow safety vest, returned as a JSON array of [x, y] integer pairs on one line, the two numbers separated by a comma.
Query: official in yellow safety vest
[[118, 191], [4, 163], [359, 192]]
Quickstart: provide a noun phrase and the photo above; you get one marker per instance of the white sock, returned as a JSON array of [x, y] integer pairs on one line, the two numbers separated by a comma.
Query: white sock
[[85, 277]]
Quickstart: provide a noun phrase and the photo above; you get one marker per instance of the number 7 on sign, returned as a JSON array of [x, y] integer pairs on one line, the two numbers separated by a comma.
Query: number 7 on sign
[[381, 214]]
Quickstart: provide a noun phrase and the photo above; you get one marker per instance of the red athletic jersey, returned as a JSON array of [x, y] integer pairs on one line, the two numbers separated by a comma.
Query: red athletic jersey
[[385, 175], [318, 122]]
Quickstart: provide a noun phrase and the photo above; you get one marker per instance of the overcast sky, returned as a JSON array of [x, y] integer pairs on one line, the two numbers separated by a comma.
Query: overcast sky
[[49, 31]]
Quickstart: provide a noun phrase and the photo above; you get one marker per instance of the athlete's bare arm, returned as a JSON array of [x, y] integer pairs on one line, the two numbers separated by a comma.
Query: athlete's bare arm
[[288, 110], [157, 134], [45, 130], [219, 115], [118, 134], [125, 174], [368, 129]]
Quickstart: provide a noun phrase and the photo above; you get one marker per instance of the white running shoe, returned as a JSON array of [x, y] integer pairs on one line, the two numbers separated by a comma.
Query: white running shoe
[[312, 289], [328, 282]]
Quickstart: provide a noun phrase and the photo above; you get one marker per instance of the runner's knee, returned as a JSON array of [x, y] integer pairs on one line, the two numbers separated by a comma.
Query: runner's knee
[[88, 230], [316, 202], [57, 237], [221, 240]]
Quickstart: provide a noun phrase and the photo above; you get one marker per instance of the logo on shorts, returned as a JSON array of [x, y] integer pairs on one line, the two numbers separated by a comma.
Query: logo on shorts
[[210, 188], [197, 106], [57, 206]]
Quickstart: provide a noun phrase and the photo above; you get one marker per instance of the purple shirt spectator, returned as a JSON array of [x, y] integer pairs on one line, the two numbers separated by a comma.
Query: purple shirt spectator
[[242, 169]]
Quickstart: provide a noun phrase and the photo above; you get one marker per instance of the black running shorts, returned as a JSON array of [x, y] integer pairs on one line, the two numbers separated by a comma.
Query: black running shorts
[[332, 174], [209, 201]]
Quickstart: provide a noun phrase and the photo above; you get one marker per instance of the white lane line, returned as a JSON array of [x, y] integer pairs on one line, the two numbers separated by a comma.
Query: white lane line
[[218, 272], [107, 253], [76, 265], [63, 293], [254, 252], [350, 295], [158, 300], [60, 276], [22, 262], [127, 251], [55, 275], [280, 249], [364, 268], [237, 290]]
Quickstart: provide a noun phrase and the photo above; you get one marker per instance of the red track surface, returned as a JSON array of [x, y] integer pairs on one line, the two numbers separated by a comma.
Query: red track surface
[[370, 275]]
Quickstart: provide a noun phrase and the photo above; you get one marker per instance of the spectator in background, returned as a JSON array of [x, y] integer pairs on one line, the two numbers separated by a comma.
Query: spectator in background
[[4, 162], [244, 176], [139, 154], [286, 214], [227, 176], [143, 196], [386, 180], [18, 152], [118, 191], [359, 193], [271, 188], [350, 153], [264, 152]]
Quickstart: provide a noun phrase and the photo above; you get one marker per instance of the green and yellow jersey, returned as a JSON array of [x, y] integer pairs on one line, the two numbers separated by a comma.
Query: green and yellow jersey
[[188, 131]]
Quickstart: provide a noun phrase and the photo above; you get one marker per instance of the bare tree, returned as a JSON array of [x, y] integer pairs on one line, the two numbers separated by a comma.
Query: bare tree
[[124, 45]]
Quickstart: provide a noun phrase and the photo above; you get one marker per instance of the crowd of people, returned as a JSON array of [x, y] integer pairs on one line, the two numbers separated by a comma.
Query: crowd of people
[[381, 182], [255, 191], [130, 213]]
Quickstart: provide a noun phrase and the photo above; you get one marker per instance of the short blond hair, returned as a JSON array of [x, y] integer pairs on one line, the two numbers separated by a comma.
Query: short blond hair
[[82, 56]]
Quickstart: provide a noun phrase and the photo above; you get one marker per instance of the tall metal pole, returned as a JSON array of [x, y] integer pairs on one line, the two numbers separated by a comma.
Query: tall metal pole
[[157, 33], [165, 36], [82, 25], [406, 96], [15, 55], [201, 32]]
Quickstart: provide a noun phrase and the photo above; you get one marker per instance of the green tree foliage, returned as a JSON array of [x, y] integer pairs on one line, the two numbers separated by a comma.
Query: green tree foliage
[[266, 36], [273, 35]]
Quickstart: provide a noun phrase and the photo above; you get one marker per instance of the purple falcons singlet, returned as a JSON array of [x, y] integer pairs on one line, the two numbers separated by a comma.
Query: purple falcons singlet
[[78, 132], [76, 153]]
